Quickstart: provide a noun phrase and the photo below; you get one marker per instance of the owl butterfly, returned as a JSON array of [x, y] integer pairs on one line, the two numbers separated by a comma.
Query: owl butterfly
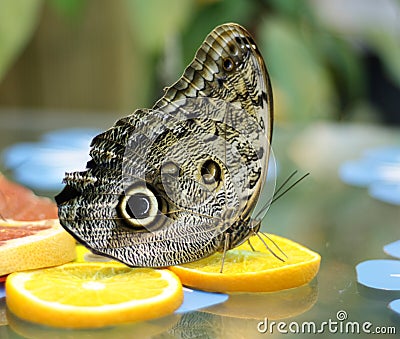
[[180, 181]]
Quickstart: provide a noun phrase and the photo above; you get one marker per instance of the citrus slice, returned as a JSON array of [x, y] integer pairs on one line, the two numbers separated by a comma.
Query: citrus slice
[[20, 203], [33, 244], [246, 270], [90, 295]]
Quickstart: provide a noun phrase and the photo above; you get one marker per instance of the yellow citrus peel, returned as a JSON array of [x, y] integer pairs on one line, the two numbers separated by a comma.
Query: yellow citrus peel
[[90, 295], [246, 270]]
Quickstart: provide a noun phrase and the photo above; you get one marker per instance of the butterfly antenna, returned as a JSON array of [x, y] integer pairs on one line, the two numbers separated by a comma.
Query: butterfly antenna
[[285, 182], [276, 195]]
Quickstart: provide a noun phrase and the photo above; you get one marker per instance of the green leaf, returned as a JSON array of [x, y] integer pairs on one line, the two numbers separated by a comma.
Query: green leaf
[[152, 21], [293, 9], [387, 46], [18, 21], [345, 65], [298, 74], [71, 9]]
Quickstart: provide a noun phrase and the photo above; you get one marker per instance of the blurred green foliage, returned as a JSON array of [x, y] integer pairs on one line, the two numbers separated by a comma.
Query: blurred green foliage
[[18, 20], [71, 9], [316, 67]]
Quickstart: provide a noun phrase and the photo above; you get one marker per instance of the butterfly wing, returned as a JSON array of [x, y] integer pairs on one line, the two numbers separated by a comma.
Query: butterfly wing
[[165, 184], [229, 66]]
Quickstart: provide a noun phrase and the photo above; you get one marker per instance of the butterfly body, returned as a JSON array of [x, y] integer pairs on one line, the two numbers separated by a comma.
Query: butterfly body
[[178, 182]]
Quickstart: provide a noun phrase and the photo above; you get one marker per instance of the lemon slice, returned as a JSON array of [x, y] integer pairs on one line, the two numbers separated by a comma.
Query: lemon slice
[[89, 295], [246, 270]]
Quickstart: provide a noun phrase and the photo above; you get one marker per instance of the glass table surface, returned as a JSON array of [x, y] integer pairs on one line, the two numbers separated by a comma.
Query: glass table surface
[[341, 222]]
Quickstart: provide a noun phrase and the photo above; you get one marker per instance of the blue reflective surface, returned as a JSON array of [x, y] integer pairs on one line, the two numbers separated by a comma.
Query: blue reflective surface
[[393, 249], [380, 274], [386, 192], [379, 170], [395, 306], [195, 300], [42, 165]]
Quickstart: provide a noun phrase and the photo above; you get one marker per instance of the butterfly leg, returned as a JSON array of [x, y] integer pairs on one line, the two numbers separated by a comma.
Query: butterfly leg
[[251, 246], [255, 228], [269, 248], [227, 242]]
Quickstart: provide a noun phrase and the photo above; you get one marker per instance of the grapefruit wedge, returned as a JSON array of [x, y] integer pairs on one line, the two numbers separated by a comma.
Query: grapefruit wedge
[[34, 244], [19, 203], [30, 234]]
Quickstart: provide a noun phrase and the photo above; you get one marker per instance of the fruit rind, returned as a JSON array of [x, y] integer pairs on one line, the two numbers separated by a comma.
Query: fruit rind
[[48, 247], [270, 280], [28, 307]]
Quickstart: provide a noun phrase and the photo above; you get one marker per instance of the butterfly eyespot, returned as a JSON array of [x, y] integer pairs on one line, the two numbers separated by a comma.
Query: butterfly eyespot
[[210, 172], [228, 64], [139, 207]]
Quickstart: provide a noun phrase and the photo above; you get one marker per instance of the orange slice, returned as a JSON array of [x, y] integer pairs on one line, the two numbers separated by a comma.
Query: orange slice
[[90, 295], [33, 244], [246, 270]]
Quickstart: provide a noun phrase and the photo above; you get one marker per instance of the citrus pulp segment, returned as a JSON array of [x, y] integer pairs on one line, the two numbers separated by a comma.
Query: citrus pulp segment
[[92, 295]]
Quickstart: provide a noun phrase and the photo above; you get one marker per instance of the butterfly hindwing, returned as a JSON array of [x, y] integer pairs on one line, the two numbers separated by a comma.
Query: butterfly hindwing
[[165, 185]]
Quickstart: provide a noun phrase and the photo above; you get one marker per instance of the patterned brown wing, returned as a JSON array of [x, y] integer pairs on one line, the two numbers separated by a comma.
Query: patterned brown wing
[[229, 66], [166, 185]]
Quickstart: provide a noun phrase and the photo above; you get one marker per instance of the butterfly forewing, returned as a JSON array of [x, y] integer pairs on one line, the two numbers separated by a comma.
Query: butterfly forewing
[[166, 185]]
